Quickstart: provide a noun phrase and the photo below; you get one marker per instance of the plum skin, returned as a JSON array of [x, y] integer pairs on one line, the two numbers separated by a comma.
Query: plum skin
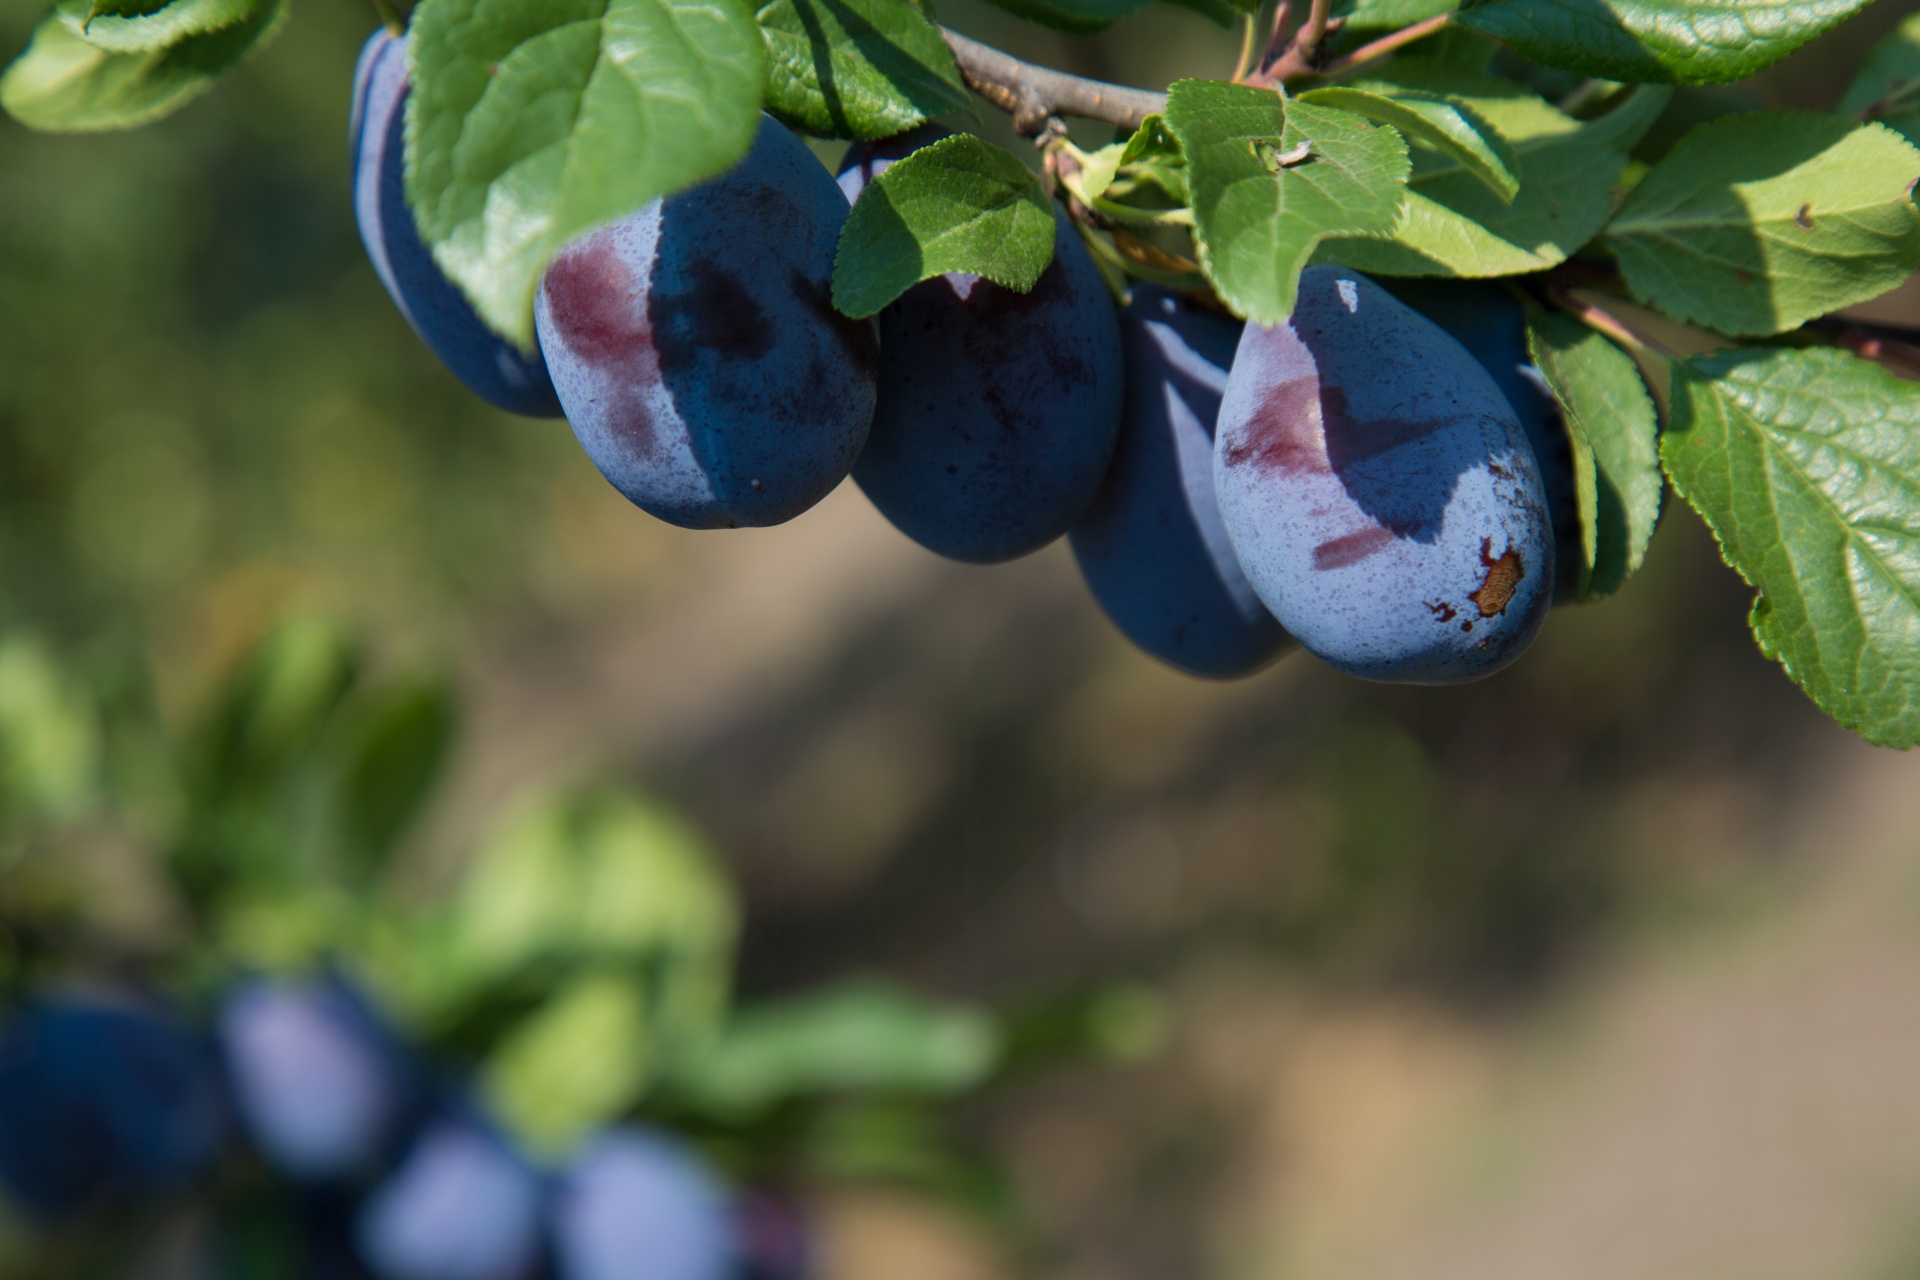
[[490, 366], [1379, 490], [696, 350], [99, 1099], [1492, 325], [320, 1084], [1152, 547], [461, 1205], [634, 1204], [997, 411]]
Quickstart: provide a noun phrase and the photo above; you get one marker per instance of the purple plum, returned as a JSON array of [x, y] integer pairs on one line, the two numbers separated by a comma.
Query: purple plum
[[462, 1205], [1152, 547], [998, 410], [634, 1204], [321, 1085], [1491, 323], [490, 366], [1380, 491], [697, 351]]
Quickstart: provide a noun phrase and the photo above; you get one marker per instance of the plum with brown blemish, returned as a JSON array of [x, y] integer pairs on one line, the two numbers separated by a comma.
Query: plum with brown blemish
[[1380, 491], [490, 366], [1152, 547], [1491, 323], [696, 350], [997, 411]]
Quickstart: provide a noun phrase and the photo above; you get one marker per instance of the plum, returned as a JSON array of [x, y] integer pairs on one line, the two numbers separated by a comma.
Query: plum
[[462, 1205], [1491, 323], [320, 1083], [1380, 491], [1152, 547], [491, 367], [634, 1204], [998, 410], [697, 352], [99, 1098]]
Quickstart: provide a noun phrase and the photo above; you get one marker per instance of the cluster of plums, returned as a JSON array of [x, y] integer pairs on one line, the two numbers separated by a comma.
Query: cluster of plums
[[117, 1103], [1378, 479]]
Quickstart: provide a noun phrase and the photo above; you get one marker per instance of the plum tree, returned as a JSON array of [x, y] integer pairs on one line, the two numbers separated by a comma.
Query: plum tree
[[697, 352], [98, 1099], [634, 1204], [462, 1205], [709, 337], [1491, 323], [319, 1083], [1379, 490], [997, 410], [1152, 546], [491, 367]]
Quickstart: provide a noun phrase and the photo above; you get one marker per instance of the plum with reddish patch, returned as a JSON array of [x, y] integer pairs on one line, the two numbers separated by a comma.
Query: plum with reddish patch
[[1380, 491], [1152, 546], [1491, 324], [696, 350], [490, 366], [997, 411]]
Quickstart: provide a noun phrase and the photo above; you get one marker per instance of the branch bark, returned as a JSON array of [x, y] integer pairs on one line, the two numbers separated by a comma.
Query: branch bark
[[1032, 94]]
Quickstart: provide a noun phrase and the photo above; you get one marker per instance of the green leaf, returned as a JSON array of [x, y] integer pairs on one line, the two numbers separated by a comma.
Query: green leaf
[[275, 706], [857, 68], [1456, 226], [1657, 41], [396, 749], [49, 738], [1447, 125], [1755, 223], [593, 878], [135, 26], [958, 205], [1271, 179], [1221, 12], [1806, 465], [1888, 86], [64, 84], [1378, 15], [1615, 436], [1078, 17], [532, 123], [861, 1036], [577, 1062]]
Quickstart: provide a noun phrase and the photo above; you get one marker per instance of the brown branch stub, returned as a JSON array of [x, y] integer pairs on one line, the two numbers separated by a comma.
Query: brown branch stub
[[1032, 94]]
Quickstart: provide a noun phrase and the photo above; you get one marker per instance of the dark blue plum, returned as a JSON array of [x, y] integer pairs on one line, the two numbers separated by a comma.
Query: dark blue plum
[[100, 1100], [320, 1084], [1491, 323], [1152, 546], [697, 351], [461, 1205], [636, 1205], [491, 367], [998, 411], [1379, 490]]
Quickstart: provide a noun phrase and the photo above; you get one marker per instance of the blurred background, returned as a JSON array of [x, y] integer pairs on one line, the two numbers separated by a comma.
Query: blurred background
[[1607, 968]]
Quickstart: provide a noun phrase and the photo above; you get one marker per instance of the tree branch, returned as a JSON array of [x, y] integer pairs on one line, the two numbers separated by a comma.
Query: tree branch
[[1032, 94], [1368, 54]]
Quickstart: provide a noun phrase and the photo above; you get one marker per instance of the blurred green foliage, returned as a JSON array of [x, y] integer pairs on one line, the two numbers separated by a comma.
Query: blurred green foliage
[[579, 969]]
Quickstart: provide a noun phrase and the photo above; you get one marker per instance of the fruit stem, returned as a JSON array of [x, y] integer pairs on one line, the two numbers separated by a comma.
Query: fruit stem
[[1644, 346], [1368, 54], [1033, 94]]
